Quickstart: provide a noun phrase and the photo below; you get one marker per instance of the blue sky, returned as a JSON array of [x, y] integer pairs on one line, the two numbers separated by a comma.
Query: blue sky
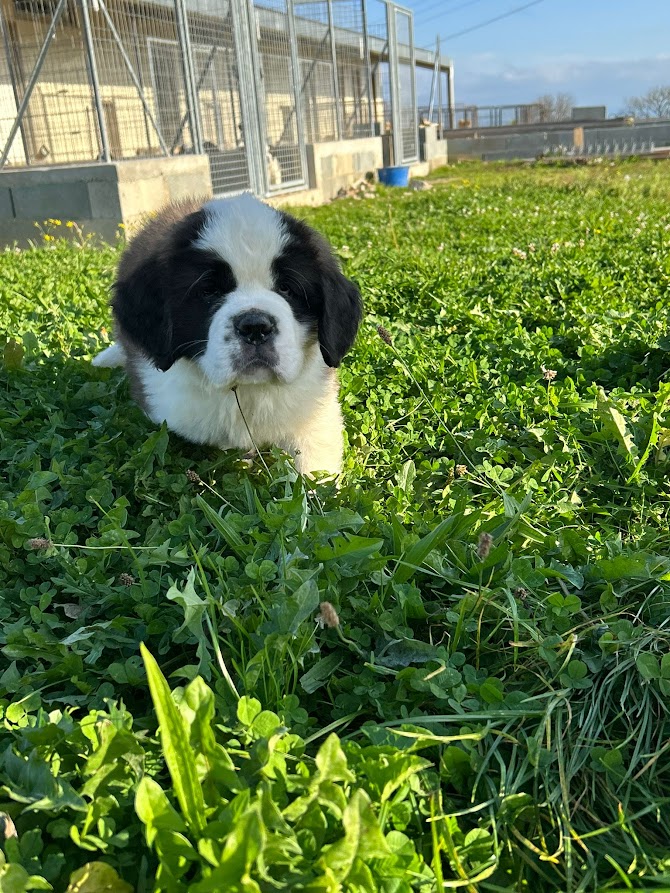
[[599, 51]]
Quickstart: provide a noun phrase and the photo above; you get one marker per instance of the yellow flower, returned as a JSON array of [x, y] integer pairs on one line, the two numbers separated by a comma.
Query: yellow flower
[[70, 224]]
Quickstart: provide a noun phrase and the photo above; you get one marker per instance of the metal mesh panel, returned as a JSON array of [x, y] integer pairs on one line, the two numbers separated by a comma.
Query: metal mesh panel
[[248, 84], [426, 85], [445, 114], [281, 123], [380, 67], [334, 60], [217, 90], [317, 87], [9, 101], [59, 124], [407, 99], [351, 53], [141, 78]]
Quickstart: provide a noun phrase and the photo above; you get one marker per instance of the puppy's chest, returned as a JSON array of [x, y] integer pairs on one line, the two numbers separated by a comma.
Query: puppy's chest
[[207, 415]]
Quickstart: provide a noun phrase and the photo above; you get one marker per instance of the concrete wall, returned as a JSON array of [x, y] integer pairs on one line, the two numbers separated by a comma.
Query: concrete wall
[[332, 166], [97, 197], [100, 197], [496, 146], [432, 149]]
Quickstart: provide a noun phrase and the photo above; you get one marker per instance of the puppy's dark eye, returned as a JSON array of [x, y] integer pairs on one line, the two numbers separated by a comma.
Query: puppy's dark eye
[[288, 289]]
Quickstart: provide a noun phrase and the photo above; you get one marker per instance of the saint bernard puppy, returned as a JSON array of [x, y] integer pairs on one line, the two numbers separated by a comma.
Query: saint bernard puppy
[[231, 319]]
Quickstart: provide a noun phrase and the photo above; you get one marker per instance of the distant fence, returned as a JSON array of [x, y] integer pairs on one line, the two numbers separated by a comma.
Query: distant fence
[[463, 117], [611, 138], [248, 82]]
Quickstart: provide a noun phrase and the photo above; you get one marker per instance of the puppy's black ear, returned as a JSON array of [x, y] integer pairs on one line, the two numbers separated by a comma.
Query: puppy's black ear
[[142, 311], [340, 317]]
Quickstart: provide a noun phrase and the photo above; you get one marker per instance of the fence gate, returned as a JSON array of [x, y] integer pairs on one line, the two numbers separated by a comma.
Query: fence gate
[[277, 69], [222, 107], [403, 86]]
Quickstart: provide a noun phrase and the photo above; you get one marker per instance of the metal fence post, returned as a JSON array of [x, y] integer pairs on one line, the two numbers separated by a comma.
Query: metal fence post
[[295, 68], [452, 104], [33, 80], [440, 98], [412, 69], [192, 104], [394, 85], [12, 77], [339, 117], [368, 64], [95, 81], [246, 58], [435, 80]]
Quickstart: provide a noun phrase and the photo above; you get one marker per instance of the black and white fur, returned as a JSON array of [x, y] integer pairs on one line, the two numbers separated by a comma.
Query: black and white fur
[[235, 300]]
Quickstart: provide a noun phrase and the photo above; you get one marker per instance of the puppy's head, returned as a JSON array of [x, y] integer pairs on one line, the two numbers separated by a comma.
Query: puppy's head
[[236, 287]]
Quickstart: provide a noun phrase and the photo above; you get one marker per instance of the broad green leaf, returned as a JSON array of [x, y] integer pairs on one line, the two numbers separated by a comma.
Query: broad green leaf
[[350, 546], [649, 666], [406, 475], [191, 603], [153, 807], [32, 781], [97, 877], [247, 710], [41, 479], [176, 748], [362, 839], [242, 848], [15, 879], [331, 761], [635, 566], [320, 673], [615, 425], [388, 770], [491, 691], [198, 710], [651, 443], [577, 669], [415, 555], [288, 613], [13, 354]]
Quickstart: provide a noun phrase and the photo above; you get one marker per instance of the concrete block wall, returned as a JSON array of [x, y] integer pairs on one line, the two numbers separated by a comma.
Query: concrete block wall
[[433, 150], [530, 144], [334, 165], [100, 197], [97, 197]]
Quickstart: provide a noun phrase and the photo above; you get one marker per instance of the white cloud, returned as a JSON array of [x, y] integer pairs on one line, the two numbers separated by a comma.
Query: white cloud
[[487, 79]]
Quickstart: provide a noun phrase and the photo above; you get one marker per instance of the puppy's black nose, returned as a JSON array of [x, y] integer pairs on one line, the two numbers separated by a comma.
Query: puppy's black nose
[[255, 327]]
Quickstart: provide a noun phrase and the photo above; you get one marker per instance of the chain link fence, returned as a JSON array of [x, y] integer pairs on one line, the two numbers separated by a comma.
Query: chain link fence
[[250, 83]]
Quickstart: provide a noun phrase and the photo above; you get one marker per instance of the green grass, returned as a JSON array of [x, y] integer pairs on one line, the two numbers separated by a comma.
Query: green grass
[[489, 715]]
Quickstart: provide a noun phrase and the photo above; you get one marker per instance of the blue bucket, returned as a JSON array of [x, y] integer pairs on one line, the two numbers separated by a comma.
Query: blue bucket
[[394, 176]]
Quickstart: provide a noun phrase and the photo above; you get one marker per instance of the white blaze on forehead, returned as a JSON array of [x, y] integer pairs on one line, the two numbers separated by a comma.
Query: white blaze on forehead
[[247, 234]]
